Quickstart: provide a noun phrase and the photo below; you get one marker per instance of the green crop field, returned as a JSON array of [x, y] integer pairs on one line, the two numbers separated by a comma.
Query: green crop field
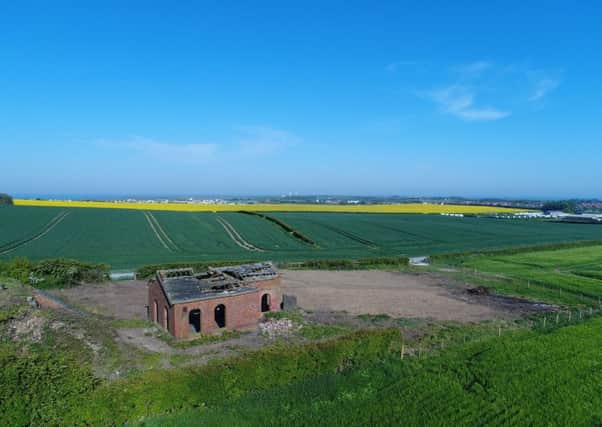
[[130, 238], [504, 372]]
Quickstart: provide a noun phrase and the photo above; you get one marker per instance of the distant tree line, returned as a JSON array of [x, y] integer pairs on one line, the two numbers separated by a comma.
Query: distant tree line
[[5, 199], [568, 206]]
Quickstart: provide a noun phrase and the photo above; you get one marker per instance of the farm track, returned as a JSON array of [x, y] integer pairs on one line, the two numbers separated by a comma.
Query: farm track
[[160, 233], [237, 238], [11, 246]]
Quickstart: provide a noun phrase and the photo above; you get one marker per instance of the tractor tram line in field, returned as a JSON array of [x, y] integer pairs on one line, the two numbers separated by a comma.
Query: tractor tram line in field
[[415, 236], [236, 237], [349, 235], [11, 246], [160, 233]]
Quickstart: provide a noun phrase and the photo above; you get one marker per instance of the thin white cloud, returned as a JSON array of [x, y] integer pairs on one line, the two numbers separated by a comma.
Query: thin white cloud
[[543, 87], [143, 147], [184, 153], [458, 101], [264, 140], [394, 66], [247, 141], [473, 69]]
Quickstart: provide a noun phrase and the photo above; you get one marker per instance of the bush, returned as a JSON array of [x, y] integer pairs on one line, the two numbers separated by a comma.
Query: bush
[[5, 200], [17, 268], [63, 272], [54, 273]]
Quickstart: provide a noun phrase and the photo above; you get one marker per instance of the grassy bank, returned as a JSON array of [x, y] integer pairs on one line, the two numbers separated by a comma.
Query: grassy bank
[[539, 378]]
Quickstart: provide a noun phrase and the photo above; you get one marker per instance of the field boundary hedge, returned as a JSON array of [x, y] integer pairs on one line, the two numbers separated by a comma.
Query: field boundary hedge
[[295, 233], [519, 249], [347, 263]]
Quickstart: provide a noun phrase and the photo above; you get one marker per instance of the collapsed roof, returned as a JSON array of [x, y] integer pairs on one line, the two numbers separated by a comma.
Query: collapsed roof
[[183, 285], [250, 272]]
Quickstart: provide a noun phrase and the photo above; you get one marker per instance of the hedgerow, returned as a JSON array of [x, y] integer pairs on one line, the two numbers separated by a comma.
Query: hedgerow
[[295, 233], [54, 273], [349, 264]]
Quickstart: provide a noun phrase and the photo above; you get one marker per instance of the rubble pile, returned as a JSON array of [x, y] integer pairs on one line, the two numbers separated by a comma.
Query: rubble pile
[[277, 327]]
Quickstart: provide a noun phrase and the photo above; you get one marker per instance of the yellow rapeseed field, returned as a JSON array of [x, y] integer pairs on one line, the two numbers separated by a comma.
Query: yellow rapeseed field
[[417, 208]]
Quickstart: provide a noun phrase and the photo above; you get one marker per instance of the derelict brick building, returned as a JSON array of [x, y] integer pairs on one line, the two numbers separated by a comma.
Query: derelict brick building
[[234, 297]]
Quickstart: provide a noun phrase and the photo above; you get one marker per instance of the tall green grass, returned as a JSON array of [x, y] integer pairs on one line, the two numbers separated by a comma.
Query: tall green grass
[[569, 276], [538, 378]]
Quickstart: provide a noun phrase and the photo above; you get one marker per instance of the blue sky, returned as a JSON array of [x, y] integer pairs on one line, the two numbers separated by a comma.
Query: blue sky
[[376, 98]]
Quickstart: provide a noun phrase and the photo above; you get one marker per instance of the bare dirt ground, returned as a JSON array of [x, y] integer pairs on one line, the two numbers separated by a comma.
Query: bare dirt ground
[[329, 297], [397, 294], [122, 300], [393, 293]]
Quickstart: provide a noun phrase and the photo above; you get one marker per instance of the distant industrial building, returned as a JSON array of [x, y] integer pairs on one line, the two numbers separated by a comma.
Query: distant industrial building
[[234, 297]]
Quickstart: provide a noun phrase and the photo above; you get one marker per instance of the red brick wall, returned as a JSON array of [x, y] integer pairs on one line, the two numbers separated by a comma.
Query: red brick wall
[[155, 293], [273, 288], [242, 311]]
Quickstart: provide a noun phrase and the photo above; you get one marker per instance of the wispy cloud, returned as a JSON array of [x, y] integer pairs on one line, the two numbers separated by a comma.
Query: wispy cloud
[[543, 87], [458, 101], [173, 153], [510, 85], [394, 66], [473, 69], [264, 140], [245, 141]]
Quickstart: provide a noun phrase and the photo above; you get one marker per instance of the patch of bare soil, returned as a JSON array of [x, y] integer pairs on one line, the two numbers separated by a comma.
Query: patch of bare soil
[[121, 300], [396, 294]]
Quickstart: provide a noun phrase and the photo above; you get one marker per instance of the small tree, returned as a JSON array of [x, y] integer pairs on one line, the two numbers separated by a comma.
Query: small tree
[[5, 199]]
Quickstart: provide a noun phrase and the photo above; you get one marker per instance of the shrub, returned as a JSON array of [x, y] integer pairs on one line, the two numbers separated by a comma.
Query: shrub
[[5, 200], [17, 268], [53, 273], [63, 272]]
